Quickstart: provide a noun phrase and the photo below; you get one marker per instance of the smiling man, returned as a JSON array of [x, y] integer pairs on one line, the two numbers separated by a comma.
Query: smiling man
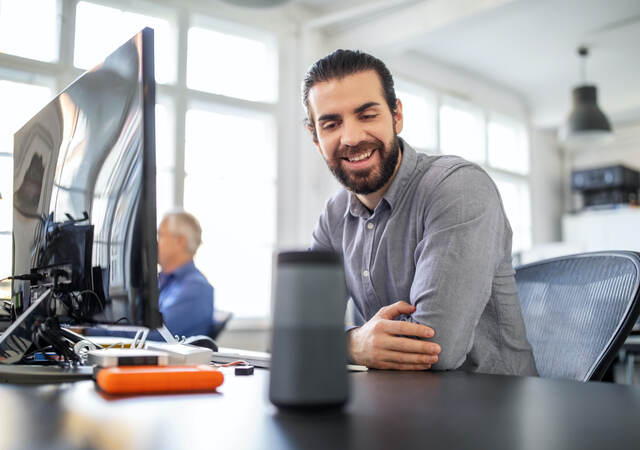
[[425, 241]]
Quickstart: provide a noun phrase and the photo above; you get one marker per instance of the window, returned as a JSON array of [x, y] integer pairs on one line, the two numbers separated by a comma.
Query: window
[[507, 145], [230, 186], [462, 130], [516, 200], [230, 160], [496, 142], [214, 65], [420, 111], [215, 127], [100, 30], [29, 28], [165, 157]]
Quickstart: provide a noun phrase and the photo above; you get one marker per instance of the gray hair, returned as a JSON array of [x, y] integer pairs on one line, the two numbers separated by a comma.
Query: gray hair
[[184, 224]]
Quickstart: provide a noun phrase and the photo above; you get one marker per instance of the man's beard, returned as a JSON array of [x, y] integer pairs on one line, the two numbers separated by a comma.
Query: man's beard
[[366, 181]]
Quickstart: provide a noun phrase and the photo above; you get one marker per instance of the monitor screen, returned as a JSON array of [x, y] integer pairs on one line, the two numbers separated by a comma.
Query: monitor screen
[[84, 192]]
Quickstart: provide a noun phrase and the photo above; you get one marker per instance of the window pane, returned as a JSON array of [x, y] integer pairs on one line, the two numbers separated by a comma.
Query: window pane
[[419, 119], [462, 131], [230, 186], [165, 159], [29, 28], [517, 205], [165, 137], [25, 101], [100, 30], [231, 65], [165, 199], [507, 145]]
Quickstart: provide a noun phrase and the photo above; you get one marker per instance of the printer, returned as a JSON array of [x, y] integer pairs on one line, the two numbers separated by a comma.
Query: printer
[[606, 187]]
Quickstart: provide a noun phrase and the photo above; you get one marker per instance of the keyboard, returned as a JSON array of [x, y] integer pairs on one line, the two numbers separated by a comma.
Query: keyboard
[[258, 359]]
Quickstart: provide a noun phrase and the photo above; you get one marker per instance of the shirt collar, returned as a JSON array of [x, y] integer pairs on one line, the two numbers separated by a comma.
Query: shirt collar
[[395, 191], [181, 271]]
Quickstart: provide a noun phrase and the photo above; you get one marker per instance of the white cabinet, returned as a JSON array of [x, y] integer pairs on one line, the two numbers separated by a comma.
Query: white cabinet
[[610, 229]]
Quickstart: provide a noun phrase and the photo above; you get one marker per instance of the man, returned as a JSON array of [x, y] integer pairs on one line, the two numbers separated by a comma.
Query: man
[[425, 241], [186, 297]]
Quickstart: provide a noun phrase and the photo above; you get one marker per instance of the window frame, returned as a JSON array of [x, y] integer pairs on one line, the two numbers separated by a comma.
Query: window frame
[[178, 97]]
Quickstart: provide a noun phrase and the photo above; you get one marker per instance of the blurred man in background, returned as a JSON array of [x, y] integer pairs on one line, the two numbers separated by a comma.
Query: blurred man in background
[[186, 297]]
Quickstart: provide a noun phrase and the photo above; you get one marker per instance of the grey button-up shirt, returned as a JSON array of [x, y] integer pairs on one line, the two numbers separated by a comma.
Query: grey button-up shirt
[[439, 239]]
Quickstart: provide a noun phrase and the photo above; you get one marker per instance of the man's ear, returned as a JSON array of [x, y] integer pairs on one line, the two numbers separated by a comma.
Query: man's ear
[[182, 239], [398, 117], [312, 131]]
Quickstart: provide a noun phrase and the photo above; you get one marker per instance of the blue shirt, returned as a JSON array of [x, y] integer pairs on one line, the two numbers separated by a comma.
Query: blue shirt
[[186, 301]]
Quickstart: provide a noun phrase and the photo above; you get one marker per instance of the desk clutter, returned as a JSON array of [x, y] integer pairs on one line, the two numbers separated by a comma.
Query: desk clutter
[[157, 368]]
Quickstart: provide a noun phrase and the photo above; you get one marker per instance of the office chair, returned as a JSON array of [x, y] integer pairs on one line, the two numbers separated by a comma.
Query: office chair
[[221, 318], [578, 310]]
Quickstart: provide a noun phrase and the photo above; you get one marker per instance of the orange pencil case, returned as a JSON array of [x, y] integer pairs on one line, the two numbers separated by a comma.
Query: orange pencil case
[[158, 379]]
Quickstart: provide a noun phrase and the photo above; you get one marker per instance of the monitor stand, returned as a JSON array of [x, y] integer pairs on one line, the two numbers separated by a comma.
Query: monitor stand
[[50, 374], [17, 339]]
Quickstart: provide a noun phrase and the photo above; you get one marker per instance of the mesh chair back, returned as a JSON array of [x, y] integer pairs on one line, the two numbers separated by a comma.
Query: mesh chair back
[[578, 310]]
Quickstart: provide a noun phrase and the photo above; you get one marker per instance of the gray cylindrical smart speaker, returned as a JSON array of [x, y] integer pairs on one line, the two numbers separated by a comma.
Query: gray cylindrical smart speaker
[[308, 345]]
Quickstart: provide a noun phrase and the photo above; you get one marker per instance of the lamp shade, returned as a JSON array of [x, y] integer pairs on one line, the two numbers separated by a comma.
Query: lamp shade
[[587, 123]]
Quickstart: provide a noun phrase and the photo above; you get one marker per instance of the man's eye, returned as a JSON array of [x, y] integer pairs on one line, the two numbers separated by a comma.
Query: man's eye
[[369, 116], [328, 125]]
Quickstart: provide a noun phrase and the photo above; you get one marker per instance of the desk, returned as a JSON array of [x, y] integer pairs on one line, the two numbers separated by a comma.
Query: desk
[[388, 410]]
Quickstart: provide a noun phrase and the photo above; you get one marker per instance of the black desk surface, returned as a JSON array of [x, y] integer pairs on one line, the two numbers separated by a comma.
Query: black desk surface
[[390, 410]]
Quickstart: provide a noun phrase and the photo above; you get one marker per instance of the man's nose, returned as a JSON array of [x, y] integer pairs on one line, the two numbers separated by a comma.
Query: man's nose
[[352, 133]]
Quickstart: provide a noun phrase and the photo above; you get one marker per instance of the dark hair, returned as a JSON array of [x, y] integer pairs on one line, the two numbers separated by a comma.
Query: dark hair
[[340, 64]]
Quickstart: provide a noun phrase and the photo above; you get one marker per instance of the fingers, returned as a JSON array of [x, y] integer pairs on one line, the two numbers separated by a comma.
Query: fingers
[[391, 311], [407, 329], [388, 356], [401, 344], [399, 366]]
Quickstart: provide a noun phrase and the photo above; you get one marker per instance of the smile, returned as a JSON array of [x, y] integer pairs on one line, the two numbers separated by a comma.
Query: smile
[[360, 157]]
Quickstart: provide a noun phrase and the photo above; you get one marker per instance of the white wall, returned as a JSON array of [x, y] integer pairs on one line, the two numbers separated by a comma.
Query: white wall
[[547, 186]]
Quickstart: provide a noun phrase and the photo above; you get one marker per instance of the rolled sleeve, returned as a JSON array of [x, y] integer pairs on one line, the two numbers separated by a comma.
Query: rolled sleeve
[[456, 261]]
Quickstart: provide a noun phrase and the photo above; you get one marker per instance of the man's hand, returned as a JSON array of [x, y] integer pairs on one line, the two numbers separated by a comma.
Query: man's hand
[[380, 344]]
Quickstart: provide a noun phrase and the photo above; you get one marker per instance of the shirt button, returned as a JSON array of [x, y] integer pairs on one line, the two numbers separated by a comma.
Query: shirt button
[[370, 226], [365, 273]]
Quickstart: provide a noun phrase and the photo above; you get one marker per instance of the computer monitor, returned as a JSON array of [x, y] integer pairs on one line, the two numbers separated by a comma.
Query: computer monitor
[[84, 218]]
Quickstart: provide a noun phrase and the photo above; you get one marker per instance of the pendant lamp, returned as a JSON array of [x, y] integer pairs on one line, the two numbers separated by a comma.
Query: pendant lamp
[[587, 125]]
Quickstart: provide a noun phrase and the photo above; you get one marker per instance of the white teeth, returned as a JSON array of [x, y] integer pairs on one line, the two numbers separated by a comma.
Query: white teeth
[[361, 156]]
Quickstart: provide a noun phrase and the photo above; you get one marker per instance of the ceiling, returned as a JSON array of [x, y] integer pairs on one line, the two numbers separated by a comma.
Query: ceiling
[[527, 46]]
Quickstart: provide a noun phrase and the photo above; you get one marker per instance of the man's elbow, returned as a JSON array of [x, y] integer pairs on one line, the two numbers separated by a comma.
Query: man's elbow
[[448, 360], [446, 363]]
